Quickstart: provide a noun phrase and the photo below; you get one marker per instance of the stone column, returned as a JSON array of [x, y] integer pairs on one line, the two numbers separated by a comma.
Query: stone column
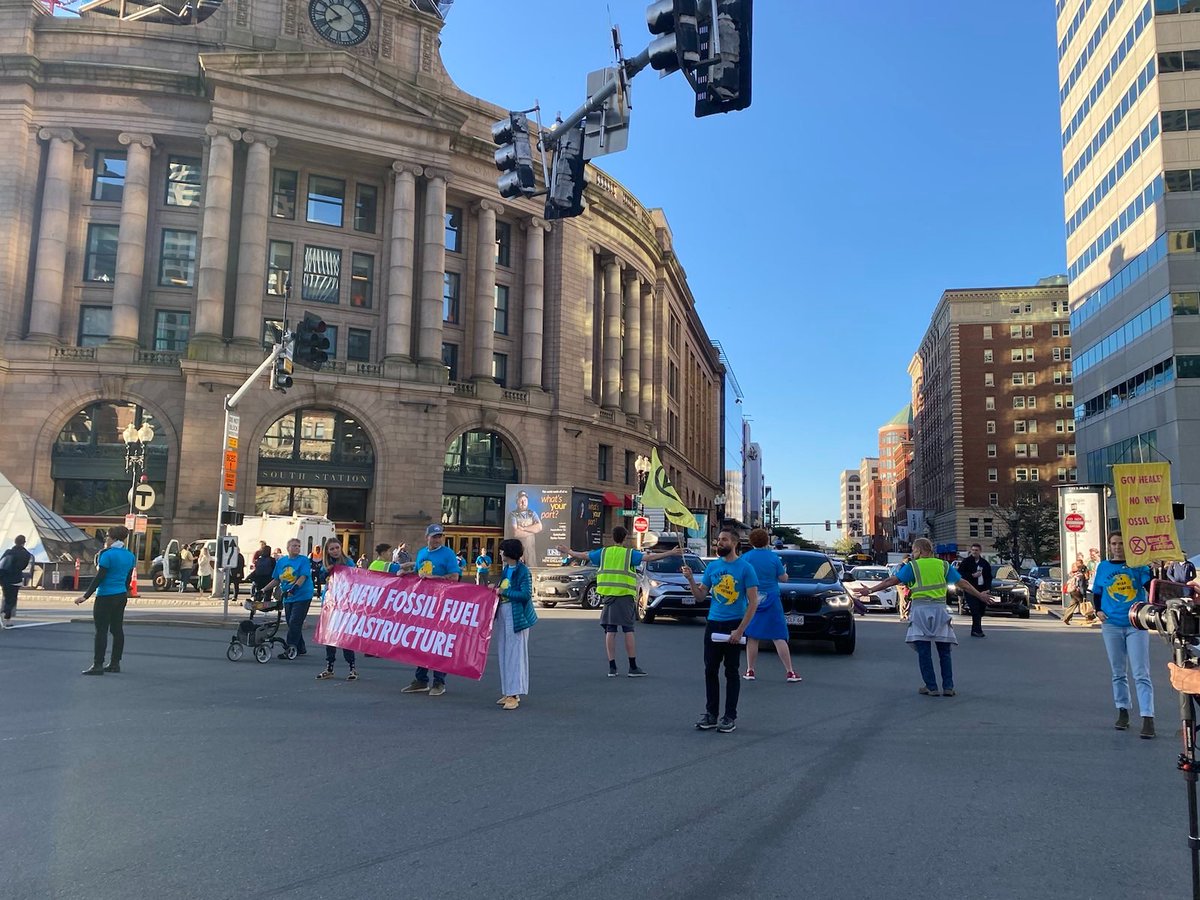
[[400, 261], [632, 345], [611, 394], [433, 268], [214, 239], [49, 274], [661, 351], [589, 317], [646, 400], [252, 249], [129, 283], [535, 304], [484, 307]]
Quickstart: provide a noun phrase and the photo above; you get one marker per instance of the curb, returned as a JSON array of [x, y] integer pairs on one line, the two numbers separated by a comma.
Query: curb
[[175, 623]]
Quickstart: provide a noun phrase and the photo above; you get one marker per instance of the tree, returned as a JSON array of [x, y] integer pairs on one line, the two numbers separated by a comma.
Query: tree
[[793, 537], [846, 546], [1028, 525]]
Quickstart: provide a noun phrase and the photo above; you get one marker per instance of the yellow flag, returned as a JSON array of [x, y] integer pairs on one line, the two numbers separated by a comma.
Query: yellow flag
[[660, 494], [1144, 504]]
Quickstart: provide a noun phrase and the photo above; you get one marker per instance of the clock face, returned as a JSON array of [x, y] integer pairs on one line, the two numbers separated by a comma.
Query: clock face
[[344, 22]]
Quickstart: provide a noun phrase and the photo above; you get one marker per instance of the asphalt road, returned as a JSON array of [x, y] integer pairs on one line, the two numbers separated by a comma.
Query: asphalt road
[[190, 776]]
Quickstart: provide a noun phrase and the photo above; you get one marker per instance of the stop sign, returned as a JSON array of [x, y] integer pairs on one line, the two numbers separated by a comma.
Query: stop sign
[[641, 524], [1074, 522]]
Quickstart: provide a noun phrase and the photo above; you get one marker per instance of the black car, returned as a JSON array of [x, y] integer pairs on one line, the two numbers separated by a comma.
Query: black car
[[815, 604], [574, 583], [1010, 594]]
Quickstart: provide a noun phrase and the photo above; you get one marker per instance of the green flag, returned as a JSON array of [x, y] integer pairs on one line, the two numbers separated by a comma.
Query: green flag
[[660, 494]]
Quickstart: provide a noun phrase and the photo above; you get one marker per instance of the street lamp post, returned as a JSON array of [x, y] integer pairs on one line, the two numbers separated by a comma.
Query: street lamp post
[[136, 441]]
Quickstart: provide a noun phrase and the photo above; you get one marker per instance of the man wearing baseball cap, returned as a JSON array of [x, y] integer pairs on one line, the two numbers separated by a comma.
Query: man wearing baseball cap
[[434, 560]]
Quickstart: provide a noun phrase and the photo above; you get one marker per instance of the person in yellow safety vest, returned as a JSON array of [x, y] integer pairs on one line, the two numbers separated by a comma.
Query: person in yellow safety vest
[[928, 577], [616, 583]]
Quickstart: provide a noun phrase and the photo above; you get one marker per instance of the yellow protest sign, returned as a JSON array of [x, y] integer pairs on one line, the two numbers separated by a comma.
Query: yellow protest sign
[[1144, 505]]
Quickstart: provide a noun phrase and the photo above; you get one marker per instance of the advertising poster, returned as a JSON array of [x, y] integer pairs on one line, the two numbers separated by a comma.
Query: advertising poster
[[539, 516], [587, 518], [443, 625], [697, 538], [1081, 526], [1144, 506]]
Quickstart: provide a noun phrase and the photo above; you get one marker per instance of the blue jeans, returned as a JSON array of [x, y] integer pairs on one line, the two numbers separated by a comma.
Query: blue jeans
[[295, 614], [925, 660], [423, 676], [1127, 646]]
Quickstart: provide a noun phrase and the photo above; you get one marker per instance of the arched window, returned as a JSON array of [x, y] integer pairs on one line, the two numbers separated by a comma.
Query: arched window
[[316, 462], [478, 466], [88, 460]]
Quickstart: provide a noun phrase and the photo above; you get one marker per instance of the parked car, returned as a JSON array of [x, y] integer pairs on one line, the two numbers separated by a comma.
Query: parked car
[[575, 583], [1049, 589], [663, 590], [885, 600], [815, 604], [1010, 594]]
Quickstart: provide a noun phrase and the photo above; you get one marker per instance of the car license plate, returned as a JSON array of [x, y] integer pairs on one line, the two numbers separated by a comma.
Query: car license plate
[[793, 619], [551, 590], [689, 601]]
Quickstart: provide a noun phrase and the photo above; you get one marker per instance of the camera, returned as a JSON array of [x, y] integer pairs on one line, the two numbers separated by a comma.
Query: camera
[[1172, 612]]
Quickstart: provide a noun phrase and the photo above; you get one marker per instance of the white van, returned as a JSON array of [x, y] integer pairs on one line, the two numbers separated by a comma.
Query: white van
[[312, 531]]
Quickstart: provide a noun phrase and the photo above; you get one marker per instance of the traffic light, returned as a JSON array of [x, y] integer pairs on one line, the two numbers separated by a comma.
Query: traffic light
[[678, 44], [827, 525], [568, 180], [839, 524], [515, 156], [311, 343], [724, 86], [281, 372]]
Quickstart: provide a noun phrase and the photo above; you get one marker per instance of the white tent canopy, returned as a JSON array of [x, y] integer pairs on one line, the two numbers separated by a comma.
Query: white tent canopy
[[48, 536]]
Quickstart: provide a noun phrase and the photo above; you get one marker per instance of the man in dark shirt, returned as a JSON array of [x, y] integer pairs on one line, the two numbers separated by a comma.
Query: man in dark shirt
[[13, 563], [978, 571]]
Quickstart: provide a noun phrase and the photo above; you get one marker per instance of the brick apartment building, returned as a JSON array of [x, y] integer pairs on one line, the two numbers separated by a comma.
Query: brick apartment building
[[992, 405]]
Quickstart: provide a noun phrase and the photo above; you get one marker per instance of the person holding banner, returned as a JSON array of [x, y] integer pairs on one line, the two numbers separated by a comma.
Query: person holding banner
[[1116, 587], [434, 560], [332, 558], [514, 617]]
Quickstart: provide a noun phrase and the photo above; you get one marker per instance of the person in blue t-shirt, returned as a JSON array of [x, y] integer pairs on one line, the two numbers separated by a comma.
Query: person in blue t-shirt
[[732, 587], [1116, 587], [114, 571], [293, 575], [768, 623], [483, 568], [434, 560]]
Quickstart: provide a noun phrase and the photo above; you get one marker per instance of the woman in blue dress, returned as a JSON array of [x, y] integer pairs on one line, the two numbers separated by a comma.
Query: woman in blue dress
[[768, 623]]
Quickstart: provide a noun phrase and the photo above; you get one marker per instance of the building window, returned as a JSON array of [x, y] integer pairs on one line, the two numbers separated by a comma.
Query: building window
[[501, 313], [1014, 331], [987, 356], [1056, 354], [1061, 450], [450, 360], [100, 261], [171, 329], [1061, 474], [1033, 474], [1030, 379], [358, 344], [1066, 353], [1033, 451], [1064, 426], [1018, 379], [279, 267], [988, 529], [450, 288], [326, 199], [604, 463], [672, 427], [989, 380], [503, 244], [500, 369], [366, 200], [453, 230], [177, 262], [1028, 329], [322, 274], [283, 194], [95, 325], [1022, 450], [183, 181], [362, 280], [1017, 355], [991, 426], [630, 469], [1028, 354], [272, 333], [987, 334], [993, 499], [1032, 423], [108, 178], [989, 402], [972, 527], [993, 475], [991, 450], [1022, 474], [1031, 402], [1018, 402], [1019, 426], [673, 333], [672, 380]]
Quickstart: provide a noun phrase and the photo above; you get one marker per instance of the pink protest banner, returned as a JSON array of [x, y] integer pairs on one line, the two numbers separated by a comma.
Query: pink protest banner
[[444, 625]]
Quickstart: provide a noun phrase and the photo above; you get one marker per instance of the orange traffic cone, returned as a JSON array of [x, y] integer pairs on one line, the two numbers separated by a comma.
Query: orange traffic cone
[[133, 584]]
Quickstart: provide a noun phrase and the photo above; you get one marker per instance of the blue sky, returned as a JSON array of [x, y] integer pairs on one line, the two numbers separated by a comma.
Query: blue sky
[[892, 150]]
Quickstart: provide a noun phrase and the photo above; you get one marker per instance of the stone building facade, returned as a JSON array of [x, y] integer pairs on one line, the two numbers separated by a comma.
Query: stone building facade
[[167, 186]]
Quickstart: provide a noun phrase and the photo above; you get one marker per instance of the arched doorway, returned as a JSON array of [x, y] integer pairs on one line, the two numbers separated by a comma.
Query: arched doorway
[[478, 466], [318, 462], [91, 482]]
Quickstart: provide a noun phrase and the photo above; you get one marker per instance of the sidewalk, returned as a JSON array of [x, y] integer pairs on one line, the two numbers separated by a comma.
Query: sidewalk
[[152, 608]]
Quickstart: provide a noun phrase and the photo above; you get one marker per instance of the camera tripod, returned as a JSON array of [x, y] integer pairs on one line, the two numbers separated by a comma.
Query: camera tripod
[[1187, 765]]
